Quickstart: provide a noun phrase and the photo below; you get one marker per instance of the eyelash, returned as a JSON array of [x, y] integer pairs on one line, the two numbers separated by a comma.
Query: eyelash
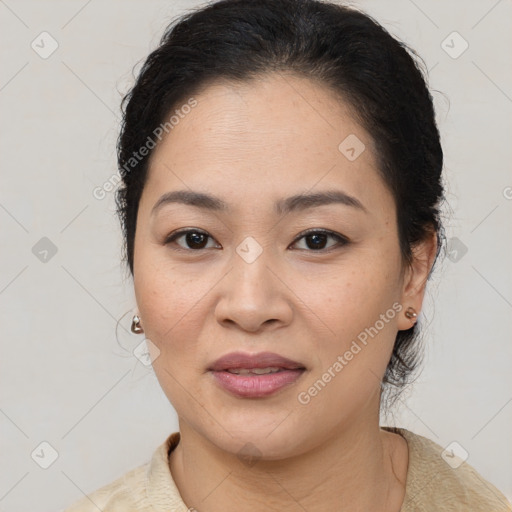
[[342, 241]]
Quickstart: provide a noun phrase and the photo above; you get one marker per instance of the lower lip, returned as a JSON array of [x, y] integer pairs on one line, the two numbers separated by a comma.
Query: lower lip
[[256, 386]]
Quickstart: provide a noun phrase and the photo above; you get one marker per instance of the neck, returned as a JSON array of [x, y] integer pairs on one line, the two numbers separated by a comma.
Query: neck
[[360, 468]]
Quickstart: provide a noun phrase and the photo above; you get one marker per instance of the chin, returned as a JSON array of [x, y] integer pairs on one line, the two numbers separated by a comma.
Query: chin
[[269, 436]]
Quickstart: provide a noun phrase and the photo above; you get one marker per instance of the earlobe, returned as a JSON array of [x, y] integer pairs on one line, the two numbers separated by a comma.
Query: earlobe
[[423, 256]]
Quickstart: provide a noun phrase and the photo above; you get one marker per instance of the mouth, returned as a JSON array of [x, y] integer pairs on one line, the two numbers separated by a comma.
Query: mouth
[[255, 371], [255, 375]]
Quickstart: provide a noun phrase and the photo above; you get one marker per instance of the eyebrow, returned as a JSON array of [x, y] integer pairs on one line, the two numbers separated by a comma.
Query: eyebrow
[[293, 203]]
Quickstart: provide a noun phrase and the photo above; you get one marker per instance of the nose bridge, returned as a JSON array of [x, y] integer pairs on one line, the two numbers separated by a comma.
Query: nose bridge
[[250, 263]]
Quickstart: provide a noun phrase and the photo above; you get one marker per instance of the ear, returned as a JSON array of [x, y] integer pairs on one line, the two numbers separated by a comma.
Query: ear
[[415, 278]]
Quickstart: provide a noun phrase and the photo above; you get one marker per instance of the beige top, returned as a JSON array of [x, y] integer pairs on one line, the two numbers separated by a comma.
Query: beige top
[[432, 485]]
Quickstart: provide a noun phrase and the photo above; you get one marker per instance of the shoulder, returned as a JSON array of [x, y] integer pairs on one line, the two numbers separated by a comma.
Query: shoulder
[[439, 480], [125, 493], [141, 489]]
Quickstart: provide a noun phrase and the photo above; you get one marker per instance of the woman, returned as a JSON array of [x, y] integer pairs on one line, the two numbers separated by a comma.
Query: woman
[[280, 204]]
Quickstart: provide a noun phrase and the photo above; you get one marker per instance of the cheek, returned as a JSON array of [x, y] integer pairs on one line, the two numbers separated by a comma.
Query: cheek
[[158, 288], [354, 343], [351, 299], [355, 313], [172, 309], [169, 309]]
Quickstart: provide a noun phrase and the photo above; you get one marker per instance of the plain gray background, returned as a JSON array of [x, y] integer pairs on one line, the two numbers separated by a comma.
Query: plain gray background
[[66, 381]]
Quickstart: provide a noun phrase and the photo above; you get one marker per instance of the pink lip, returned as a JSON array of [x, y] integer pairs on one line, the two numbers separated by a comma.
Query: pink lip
[[261, 360], [255, 386]]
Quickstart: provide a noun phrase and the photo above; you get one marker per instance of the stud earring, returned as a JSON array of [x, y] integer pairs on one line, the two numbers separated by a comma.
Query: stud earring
[[411, 313], [136, 328]]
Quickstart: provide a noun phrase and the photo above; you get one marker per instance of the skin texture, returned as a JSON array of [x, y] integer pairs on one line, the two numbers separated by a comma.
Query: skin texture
[[252, 144]]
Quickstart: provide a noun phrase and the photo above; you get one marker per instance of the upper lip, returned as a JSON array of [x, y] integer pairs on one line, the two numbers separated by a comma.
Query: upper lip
[[261, 360]]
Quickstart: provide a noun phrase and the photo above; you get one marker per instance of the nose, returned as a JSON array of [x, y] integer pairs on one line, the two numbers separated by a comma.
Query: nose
[[254, 296]]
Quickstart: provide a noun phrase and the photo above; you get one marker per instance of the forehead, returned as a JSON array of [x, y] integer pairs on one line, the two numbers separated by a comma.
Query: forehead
[[277, 111], [272, 134]]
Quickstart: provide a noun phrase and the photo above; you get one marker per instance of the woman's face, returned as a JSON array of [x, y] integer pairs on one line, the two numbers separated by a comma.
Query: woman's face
[[251, 281]]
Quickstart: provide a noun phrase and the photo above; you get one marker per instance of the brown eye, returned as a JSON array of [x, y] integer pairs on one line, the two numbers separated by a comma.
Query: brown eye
[[316, 240], [194, 239]]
